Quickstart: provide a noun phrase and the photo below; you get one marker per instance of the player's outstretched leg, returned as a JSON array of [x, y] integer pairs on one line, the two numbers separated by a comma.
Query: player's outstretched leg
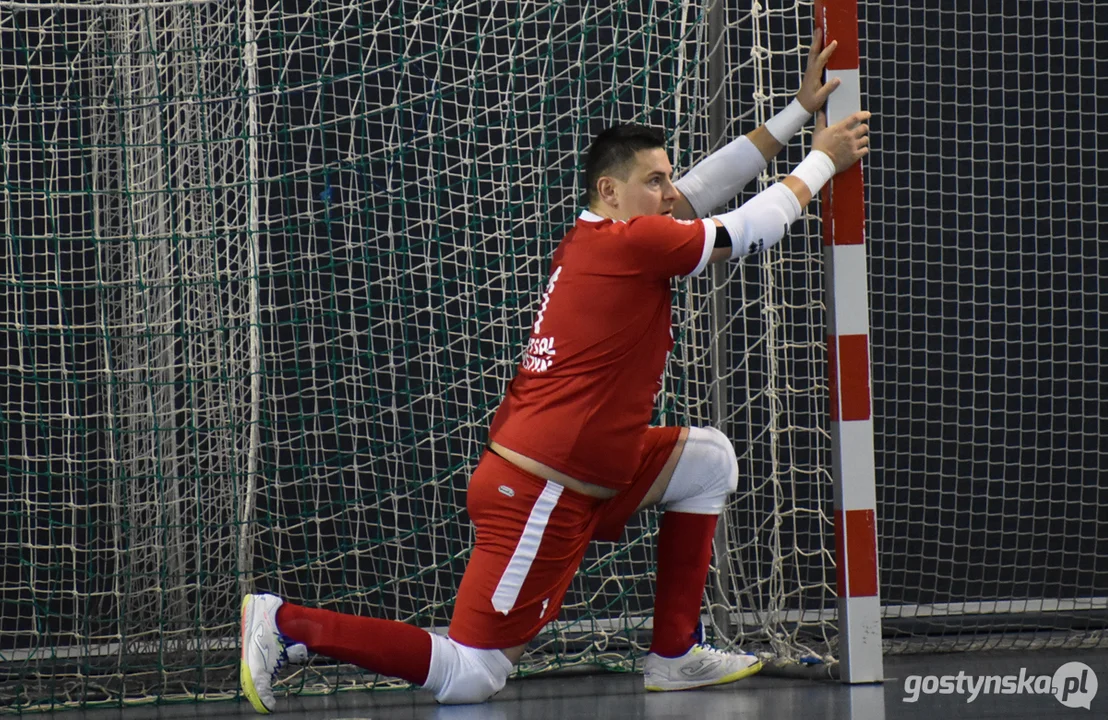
[[272, 629], [263, 650]]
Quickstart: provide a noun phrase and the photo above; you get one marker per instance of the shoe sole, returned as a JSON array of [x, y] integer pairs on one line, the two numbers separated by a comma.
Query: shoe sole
[[733, 677], [246, 678]]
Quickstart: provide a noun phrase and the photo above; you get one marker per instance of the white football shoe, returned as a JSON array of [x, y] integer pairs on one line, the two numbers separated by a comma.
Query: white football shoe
[[264, 650], [701, 666]]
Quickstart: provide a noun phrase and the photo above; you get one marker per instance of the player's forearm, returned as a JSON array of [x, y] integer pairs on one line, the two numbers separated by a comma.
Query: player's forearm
[[766, 143], [762, 221], [718, 178]]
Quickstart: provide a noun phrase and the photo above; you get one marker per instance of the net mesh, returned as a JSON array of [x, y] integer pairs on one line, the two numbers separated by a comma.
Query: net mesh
[[987, 289], [126, 322], [268, 268]]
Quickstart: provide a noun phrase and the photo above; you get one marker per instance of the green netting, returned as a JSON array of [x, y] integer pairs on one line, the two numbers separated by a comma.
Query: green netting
[[266, 271]]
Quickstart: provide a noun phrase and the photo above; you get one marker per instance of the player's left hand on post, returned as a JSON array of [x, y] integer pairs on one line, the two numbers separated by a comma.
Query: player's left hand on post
[[813, 91], [846, 142]]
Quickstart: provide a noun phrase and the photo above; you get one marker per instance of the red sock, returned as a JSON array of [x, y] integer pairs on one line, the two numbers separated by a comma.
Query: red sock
[[684, 553], [381, 646]]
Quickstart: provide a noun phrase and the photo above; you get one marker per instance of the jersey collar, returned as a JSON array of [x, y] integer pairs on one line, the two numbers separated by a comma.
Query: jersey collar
[[590, 216]]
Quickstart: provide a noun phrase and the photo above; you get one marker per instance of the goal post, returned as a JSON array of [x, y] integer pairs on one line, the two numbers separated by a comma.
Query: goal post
[[848, 367]]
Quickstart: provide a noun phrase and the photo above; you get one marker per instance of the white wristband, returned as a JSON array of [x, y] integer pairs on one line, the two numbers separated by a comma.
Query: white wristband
[[815, 170], [788, 122]]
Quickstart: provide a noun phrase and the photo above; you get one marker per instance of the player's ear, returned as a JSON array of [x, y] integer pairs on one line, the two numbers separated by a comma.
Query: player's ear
[[607, 191]]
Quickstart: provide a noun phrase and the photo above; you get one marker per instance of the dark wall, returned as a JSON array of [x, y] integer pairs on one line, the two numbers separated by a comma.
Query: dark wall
[[987, 270]]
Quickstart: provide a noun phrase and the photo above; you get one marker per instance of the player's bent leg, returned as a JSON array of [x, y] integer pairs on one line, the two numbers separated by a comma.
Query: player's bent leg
[[462, 675], [705, 475], [531, 535]]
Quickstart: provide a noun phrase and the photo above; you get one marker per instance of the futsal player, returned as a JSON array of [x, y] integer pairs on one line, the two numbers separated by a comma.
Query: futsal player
[[571, 455]]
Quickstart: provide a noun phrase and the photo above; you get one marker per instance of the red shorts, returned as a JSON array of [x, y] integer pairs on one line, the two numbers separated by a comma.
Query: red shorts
[[531, 537]]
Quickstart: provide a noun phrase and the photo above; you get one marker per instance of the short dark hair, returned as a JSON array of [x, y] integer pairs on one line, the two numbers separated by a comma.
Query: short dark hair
[[613, 150]]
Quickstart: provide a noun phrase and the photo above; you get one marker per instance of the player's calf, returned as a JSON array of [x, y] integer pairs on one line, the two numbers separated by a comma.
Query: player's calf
[[705, 475]]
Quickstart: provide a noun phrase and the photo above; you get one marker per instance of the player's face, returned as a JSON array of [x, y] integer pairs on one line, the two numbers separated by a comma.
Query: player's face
[[649, 188]]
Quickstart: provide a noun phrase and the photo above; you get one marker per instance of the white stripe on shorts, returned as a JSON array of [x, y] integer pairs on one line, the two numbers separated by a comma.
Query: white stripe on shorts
[[507, 591]]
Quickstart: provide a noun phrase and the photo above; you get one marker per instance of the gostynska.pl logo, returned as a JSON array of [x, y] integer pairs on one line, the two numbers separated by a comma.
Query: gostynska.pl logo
[[1074, 685]]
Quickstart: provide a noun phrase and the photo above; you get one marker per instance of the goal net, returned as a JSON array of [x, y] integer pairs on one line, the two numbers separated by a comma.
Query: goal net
[[987, 286], [268, 267]]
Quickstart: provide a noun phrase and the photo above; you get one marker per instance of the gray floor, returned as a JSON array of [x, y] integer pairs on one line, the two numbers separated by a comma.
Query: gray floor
[[621, 697]]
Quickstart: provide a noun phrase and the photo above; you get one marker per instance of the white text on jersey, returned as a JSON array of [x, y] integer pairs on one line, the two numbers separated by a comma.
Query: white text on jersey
[[540, 354], [546, 298]]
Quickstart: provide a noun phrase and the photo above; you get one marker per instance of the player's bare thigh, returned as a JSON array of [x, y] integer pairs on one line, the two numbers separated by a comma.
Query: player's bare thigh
[[658, 489], [548, 473]]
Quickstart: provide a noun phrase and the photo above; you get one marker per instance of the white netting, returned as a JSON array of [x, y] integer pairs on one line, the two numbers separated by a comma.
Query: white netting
[[987, 288]]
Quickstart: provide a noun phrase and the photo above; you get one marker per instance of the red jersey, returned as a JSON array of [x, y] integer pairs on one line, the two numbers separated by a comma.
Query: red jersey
[[584, 393]]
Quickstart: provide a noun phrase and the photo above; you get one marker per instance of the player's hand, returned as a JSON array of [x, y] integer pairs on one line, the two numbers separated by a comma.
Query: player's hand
[[846, 142], [813, 91]]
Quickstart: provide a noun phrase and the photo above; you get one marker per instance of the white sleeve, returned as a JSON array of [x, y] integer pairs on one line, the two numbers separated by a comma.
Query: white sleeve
[[762, 221], [718, 178]]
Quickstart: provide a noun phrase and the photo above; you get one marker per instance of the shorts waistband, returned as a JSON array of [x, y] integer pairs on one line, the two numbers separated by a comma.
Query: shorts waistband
[[568, 495]]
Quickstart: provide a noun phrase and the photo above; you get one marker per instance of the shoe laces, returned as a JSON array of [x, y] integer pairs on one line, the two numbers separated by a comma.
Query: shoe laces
[[283, 657], [701, 641], [705, 647]]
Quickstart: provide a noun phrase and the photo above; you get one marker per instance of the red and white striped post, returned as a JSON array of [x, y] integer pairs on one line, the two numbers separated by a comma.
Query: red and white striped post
[[852, 459]]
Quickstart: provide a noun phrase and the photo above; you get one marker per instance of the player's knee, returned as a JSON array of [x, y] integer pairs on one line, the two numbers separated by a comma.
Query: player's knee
[[727, 462], [462, 675], [706, 474]]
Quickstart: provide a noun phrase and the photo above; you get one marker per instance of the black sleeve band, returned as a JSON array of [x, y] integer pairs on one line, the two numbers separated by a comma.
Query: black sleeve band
[[723, 238]]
